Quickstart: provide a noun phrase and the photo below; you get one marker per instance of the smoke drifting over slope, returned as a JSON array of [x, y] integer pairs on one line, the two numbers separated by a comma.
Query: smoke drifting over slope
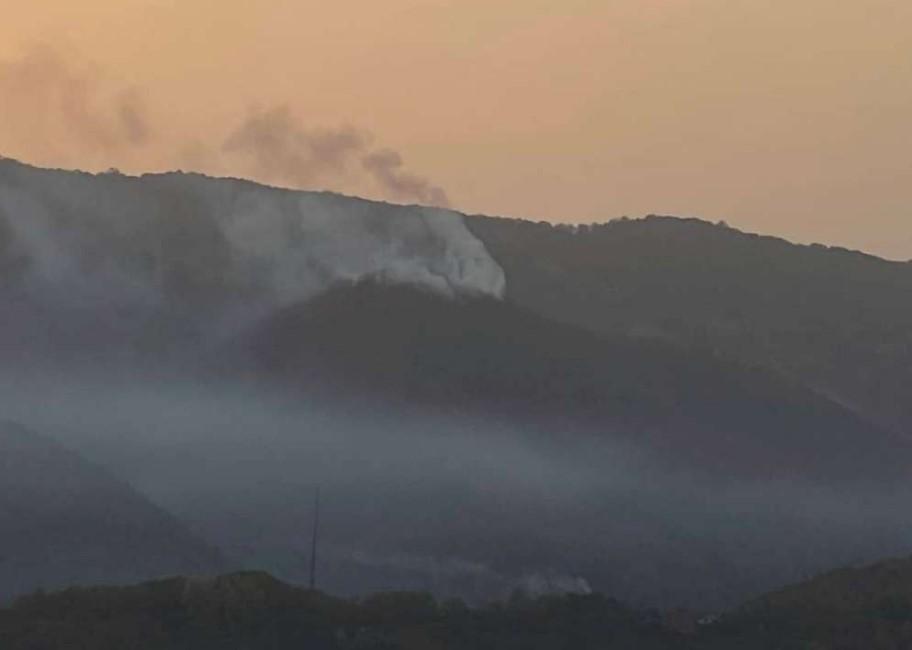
[[135, 244]]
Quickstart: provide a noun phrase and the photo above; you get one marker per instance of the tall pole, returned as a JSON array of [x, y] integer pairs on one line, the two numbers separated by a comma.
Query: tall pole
[[313, 541]]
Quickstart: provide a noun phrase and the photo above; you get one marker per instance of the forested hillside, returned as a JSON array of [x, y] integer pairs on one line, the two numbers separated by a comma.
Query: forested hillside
[[840, 321]]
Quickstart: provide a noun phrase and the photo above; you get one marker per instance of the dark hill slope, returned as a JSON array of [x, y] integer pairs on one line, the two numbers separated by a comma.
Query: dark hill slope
[[837, 320], [850, 609], [253, 611], [867, 608], [494, 358], [66, 521]]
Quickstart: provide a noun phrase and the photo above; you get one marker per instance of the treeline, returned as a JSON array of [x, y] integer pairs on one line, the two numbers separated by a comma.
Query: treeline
[[836, 320], [250, 611], [868, 609]]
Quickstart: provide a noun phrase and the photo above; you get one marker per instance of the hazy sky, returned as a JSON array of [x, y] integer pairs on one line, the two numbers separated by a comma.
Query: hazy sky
[[790, 117]]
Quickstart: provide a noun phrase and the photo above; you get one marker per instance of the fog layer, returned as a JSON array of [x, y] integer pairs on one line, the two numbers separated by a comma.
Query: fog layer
[[456, 505]]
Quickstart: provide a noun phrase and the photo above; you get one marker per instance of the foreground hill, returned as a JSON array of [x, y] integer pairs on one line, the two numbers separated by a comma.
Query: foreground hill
[[66, 521], [866, 608], [253, 611], [836, 320], [661, 474], [692, 409], [851, 609]]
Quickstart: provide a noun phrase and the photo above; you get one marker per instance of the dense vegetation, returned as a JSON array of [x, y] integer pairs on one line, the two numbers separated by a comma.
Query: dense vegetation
[[837, 320], [465, 355], [254, 611], [861, 609], [846, 609]]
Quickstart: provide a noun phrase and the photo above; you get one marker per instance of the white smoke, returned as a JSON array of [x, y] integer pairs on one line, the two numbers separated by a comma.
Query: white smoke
[[318, 240], [553, 583], [126, 238]]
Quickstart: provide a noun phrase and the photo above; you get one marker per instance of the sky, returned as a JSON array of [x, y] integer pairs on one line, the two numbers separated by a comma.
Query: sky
[[784, 117]]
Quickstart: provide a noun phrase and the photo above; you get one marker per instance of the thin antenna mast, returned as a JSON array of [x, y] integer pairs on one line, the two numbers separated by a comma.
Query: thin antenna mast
[[313, 541]]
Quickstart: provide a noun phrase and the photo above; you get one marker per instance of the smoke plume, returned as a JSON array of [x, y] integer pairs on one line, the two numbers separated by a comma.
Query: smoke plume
[[386, 165], [60, 110], [277, 148], [56, 110]]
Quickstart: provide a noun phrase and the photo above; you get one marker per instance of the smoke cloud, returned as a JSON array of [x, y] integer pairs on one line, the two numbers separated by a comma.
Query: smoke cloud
[[132, 116], [386, 167], [58, 110], [277, 148], [62, 110]]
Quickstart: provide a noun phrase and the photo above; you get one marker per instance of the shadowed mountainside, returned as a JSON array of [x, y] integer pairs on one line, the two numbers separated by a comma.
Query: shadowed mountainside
[[838, 321], [693, 409], [847, 609], [253, 611], [66, 521], [852, 609]]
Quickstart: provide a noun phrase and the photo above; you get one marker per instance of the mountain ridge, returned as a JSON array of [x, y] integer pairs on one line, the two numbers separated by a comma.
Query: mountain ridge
[[837, 321], [866, 608]]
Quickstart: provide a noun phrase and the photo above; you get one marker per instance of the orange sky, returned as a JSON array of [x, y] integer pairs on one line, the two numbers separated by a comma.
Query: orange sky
[[790, 117]]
